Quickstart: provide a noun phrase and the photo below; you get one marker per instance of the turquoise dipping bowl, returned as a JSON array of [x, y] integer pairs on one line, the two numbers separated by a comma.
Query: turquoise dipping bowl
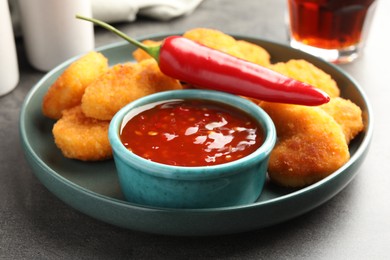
[[235, 183]]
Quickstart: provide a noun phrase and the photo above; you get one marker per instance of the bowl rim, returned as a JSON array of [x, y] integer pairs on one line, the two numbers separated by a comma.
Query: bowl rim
[[194, 172]]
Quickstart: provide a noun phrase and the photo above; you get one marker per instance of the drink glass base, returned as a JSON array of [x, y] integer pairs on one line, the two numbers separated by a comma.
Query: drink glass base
[[336, 56]]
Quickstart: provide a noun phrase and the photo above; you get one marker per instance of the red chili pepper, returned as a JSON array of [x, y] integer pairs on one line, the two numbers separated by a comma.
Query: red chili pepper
[[196, 64]]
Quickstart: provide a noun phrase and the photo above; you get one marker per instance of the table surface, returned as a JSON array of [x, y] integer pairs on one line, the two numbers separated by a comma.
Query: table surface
[[355, 224]]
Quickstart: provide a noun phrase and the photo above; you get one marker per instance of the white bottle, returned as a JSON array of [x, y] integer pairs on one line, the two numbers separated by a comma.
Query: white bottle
[[51, 32], [9, 71]]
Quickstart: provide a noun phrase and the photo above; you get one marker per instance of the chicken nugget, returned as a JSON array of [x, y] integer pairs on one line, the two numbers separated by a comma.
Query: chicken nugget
[[140, 54], [67, 91], [122, 84], [223, 42], [347, 114], [311, 145], [306, 72], [82, 138], [213, 39], [253, 53], [111, 91]]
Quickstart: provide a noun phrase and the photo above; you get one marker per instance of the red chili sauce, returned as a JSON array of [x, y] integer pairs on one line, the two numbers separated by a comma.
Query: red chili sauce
[[191, 132]]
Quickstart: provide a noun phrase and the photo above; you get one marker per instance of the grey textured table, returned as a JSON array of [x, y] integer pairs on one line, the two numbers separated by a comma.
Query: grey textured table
[[355, 224]]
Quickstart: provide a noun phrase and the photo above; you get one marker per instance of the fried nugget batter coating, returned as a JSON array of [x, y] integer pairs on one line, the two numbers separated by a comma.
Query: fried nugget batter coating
[[82, 138], [306, 72], [253, 53], [122, 84], [220, 41], [347, 114], [213, 39], [311, 145], [67, 91]]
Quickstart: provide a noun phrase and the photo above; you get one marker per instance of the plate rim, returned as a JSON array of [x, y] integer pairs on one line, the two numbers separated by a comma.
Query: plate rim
[[360, 151]]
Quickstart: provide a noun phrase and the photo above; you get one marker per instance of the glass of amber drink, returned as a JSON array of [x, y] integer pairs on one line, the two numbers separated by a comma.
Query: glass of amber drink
[[334, 30]]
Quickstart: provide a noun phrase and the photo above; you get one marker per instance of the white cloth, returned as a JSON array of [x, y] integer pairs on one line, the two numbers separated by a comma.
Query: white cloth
[[112, 11], [127, 10]]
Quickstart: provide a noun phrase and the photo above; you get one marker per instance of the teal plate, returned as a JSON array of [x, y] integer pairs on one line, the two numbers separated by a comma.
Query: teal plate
[[93, 188]]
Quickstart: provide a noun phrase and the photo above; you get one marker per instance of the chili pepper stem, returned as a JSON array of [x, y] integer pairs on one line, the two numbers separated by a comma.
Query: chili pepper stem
[[151, 50]]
